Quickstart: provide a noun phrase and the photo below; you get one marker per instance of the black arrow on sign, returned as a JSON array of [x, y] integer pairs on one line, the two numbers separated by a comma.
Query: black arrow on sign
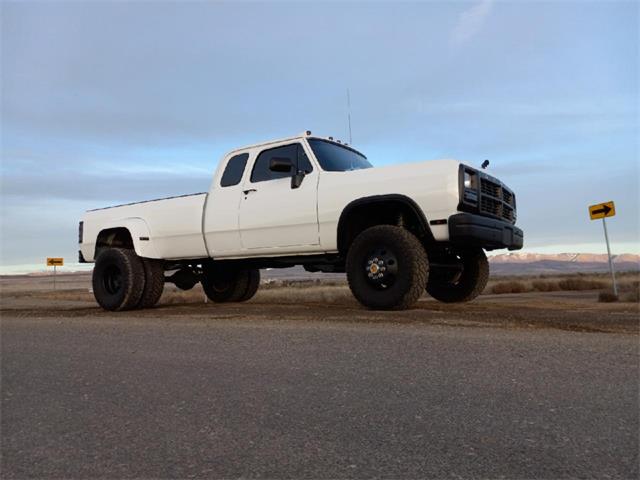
[[605, 209]]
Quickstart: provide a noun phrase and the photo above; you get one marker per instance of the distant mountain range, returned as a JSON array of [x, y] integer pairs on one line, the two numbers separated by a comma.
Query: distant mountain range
[[540, 263]]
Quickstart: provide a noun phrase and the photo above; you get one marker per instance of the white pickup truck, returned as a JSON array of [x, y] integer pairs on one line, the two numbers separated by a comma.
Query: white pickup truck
[[310, 201]]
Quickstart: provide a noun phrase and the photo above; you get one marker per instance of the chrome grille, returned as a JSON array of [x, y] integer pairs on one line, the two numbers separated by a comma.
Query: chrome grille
[[491, 206], [496, 200], [508, 213], [507, 197], [490, 188]]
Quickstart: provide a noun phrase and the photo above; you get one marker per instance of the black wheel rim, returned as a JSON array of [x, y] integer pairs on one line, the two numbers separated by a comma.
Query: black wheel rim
[[381, 268], [112, 279]]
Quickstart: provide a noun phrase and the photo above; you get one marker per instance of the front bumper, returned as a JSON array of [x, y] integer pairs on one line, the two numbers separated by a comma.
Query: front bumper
[[488, 233]]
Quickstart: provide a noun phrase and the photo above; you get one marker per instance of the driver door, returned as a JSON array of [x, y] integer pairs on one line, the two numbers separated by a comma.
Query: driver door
[[273, 214]]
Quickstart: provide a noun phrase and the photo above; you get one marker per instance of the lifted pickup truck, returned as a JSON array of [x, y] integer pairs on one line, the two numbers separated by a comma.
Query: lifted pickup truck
[[309, 201]]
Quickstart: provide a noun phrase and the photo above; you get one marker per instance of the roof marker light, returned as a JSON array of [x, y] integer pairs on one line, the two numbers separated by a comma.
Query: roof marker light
[[330, 138]]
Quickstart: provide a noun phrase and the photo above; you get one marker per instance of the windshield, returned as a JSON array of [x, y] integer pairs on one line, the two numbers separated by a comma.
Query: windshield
[[336, 158]]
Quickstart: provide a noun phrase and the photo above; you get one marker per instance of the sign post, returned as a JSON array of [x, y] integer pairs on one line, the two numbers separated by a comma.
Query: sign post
[[604, 210], [55, 262]]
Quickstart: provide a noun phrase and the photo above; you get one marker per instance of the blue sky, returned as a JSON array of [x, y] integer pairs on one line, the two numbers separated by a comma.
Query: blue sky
[[123, 101]]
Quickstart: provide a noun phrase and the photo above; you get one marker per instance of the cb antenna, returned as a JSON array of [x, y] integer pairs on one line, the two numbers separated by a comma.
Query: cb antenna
[[349, 114]]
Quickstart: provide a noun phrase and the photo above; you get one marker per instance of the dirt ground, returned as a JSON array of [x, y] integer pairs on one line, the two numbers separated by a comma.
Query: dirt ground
[[33, 296]]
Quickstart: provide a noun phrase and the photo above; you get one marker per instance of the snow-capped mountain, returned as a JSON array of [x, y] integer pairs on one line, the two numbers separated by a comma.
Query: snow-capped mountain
[[531, 263]]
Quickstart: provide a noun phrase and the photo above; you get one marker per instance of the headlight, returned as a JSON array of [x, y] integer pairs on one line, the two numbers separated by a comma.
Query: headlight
[[468, 185], [470, 179]]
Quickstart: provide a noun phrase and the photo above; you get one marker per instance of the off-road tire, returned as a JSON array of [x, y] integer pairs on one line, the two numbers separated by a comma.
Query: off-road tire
[[252, 285], [118, 279], [411, 263], [224, 284], [468, 284], [154, 282]]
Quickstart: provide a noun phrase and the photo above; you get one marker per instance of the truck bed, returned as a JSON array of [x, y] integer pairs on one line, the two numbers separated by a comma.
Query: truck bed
[[171, 229]]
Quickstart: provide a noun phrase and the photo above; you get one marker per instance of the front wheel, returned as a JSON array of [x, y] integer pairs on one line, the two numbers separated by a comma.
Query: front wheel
[[387, 268], [462, 285]]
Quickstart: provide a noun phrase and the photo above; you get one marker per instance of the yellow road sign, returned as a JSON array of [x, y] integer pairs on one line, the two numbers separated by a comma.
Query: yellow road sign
[[55, 262], [602, 210]]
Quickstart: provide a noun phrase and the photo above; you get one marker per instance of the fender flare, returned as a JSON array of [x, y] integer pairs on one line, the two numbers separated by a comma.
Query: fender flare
[[373, 199], [140, 232]]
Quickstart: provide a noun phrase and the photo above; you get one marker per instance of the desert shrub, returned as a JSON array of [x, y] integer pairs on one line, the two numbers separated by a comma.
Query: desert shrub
[[581, 284], [508, 287], [545, 285], [633, 297], [629, 286], [630, 292], [607, 297]]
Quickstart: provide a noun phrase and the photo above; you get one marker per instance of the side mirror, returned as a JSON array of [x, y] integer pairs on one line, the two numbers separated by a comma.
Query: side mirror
[[280, 165], [296, 180]]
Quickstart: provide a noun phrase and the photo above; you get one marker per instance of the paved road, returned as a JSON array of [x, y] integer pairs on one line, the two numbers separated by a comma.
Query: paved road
[[152, 397]]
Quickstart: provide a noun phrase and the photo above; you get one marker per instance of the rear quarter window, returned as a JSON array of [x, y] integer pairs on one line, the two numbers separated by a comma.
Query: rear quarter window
[[234, 170]]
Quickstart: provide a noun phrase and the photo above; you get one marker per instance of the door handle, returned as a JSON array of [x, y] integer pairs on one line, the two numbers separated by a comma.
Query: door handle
[[247, 192]]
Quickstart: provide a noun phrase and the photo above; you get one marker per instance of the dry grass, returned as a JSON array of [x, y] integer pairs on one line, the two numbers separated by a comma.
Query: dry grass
[[545, 285], [577, 284], [630, 292], [285, 292], [332, 291], [332, 294], [509, 287], [628, 284], [172, 296], [337, 292]]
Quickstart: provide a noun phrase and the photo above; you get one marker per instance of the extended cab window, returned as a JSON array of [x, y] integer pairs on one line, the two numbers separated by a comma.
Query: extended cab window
[[234, 170], [337, 158], [294, 153]]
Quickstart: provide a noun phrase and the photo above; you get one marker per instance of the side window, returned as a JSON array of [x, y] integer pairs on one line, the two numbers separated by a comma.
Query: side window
[[234, 170], [261, 170]]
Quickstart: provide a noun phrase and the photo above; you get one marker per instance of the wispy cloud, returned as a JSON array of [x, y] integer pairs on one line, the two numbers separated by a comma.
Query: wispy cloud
[[471, 21]]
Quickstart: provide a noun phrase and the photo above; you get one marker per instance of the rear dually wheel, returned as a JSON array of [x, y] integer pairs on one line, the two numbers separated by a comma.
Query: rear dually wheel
[[118, 279]]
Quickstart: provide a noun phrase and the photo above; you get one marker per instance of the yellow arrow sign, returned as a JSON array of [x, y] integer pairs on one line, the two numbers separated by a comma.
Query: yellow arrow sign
[[55, 262], [602, 210]]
